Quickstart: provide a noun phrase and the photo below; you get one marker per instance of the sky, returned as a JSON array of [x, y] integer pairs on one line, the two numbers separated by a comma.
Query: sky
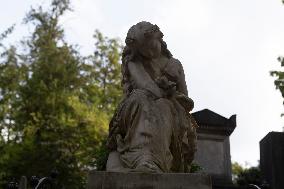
[[227, 48]]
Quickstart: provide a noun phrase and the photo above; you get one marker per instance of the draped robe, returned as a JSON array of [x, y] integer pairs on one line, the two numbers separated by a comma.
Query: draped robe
[[151, 132]]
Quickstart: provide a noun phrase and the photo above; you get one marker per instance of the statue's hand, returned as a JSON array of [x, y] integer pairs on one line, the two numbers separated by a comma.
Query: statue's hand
[[167, 87], [171, 90]]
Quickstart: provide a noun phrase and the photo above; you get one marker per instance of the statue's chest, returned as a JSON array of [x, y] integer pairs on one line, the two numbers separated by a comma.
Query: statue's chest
[[156, 69]]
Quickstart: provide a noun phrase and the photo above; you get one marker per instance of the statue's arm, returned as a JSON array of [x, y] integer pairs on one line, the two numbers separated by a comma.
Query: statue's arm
[[181, 87], [142, 78], [183, 98]]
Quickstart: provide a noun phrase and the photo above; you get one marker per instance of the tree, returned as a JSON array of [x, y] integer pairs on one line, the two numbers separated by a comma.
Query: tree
[[57, 123], [4, 35], [106, 73], [279, 81], [55, 104], [8, 84], [10, 76], [236, 170], [245, 176]]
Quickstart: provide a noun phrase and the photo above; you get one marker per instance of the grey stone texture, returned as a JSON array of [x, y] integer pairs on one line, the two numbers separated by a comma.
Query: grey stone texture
[[272, 159], [213, 146], [152, 129], [115, 180]]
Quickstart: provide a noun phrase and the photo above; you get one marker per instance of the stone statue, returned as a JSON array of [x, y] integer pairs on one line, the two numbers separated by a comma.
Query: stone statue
[[152, 130]]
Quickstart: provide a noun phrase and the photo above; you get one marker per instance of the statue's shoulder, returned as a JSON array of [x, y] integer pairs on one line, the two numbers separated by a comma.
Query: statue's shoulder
[[174, 69], [175, 61], [176, 64]]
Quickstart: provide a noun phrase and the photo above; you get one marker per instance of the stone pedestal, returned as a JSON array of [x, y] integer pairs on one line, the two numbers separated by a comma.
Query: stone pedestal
[[115, 180], [272, 159]]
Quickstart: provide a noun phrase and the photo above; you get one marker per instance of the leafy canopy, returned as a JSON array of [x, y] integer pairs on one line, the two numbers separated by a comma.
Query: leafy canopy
[[55, 104]]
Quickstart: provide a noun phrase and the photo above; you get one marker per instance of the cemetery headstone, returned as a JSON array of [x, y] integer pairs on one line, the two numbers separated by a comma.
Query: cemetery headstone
[[213, 146], [272, 159]]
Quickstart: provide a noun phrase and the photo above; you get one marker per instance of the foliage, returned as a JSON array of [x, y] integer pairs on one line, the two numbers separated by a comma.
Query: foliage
[[4, 34], [237, 169], [195, 168], [107, 74], [245, 176], [101, 156], [55, 104], [106, 90], [279, 81]]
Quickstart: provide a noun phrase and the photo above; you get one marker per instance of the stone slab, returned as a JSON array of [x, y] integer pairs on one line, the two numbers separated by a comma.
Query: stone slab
[[116, 180], [272, 159], [213, 146]]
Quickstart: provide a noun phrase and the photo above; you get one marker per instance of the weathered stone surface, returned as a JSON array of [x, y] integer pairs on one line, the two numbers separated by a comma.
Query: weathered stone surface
[[152, 130], [272, 159], [213, 146], [115, 180]]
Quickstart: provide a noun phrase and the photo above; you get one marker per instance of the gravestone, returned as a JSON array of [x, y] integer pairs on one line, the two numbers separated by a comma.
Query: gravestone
[[213, 146], [272, 159]]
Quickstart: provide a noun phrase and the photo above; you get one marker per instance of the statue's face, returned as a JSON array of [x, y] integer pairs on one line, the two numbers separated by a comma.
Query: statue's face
[[151, 47]]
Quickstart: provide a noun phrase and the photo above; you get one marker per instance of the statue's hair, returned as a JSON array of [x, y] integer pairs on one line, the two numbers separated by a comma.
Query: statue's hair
[[146, 29], [130, 52]]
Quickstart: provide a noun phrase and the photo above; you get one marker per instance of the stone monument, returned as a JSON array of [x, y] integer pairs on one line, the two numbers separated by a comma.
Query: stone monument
[[152, 131], [213, 144], [272, 159]]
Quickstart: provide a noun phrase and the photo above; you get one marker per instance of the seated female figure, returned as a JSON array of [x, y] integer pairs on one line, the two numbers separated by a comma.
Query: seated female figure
[[152, 129]]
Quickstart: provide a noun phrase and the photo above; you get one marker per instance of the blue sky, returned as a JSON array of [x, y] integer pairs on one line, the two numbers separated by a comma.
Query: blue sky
[[227, 48]]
